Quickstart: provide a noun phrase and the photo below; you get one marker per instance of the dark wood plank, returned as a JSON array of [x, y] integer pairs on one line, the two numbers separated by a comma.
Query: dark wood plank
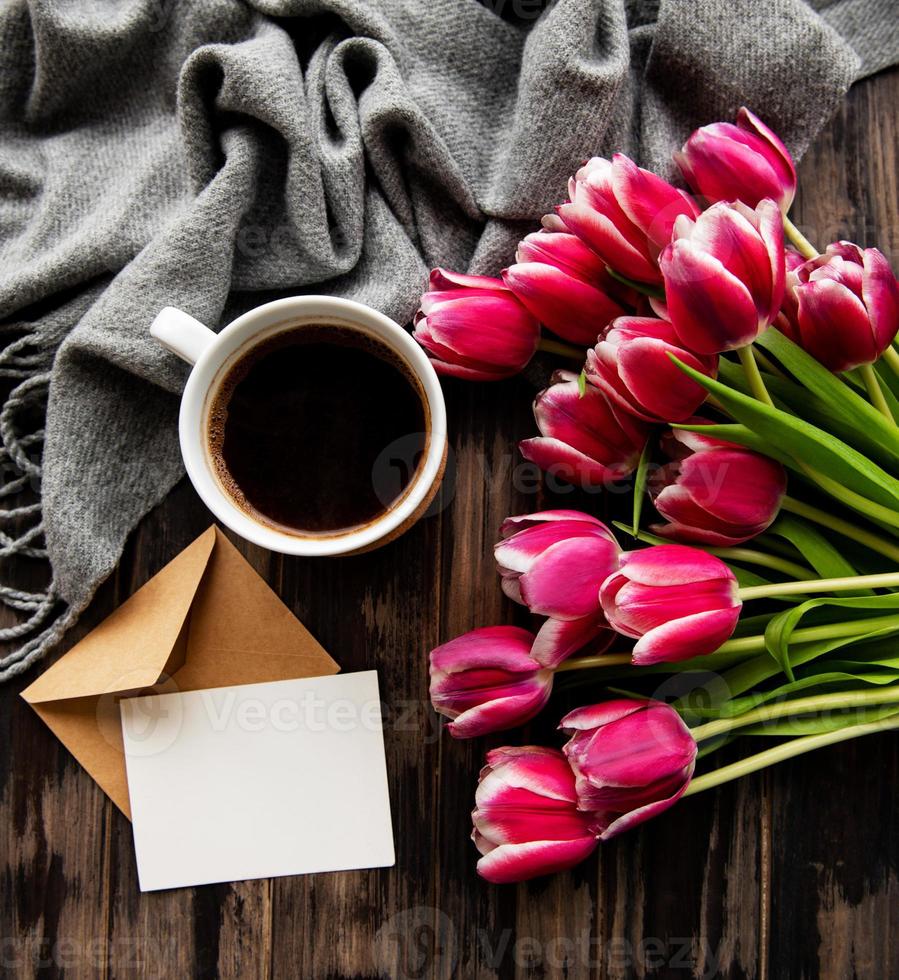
[[788, 874]]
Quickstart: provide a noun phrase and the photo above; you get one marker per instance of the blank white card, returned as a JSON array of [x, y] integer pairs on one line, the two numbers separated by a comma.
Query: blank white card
[[258, 780]]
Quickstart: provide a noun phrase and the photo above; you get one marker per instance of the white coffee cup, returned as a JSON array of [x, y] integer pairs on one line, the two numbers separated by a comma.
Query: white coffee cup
[[212, 355]]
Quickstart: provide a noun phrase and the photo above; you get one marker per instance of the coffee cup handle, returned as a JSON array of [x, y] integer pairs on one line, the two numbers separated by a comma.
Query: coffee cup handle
[[181, 333]]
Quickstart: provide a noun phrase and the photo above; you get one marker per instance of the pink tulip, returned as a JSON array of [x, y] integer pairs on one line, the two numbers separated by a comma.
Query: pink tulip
[[631, 759], [843, 306], [720, 495], [744, 162], [582, 438], [631, 366], [792, 260], [487, 681], [554, 562], [724, 275], [564, 285], [677, 602], [473, 327], [624, 213], [526, 819]]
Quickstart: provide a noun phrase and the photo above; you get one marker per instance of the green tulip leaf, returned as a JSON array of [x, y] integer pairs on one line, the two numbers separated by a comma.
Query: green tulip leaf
[[889, 384], [751, 673], [805, 686], [742, 436], [793, 398], [780, 629], [823, 556], [815, 725], [640, 487], [808, 445], [845, 403]]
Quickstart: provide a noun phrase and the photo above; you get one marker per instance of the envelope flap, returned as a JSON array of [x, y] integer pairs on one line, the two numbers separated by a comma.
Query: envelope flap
[[241, 631], [131, 648]]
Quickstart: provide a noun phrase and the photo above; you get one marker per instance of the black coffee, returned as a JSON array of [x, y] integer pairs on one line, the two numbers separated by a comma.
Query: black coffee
[[300, 424]]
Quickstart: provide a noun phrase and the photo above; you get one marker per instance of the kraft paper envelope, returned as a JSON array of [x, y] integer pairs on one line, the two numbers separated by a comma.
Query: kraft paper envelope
[[206, 620]]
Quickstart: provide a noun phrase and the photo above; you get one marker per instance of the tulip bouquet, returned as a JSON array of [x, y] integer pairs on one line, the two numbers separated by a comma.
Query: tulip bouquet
[[748, 387]]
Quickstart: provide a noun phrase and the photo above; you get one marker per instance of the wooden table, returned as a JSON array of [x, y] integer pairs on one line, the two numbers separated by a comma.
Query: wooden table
[[788, 874]]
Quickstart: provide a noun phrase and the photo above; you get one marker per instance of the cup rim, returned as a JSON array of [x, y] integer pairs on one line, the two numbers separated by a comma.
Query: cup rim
[[243, 331]]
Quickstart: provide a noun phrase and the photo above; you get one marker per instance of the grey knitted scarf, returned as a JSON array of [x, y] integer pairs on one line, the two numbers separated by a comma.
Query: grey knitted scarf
[[213, 154]]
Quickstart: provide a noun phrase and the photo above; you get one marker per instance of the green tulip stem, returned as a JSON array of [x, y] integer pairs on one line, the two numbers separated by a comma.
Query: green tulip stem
[[787, 750], [800, 242], [761, 558], [742, 646], [557, 347], [845, 528], [891, 357], [767, 364], [884, 581], [875, 392], [836, 701], [596, 660], [754, 376]]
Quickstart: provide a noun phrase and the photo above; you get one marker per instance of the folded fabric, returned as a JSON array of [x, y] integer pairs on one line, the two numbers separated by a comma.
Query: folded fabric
[[216, 154]]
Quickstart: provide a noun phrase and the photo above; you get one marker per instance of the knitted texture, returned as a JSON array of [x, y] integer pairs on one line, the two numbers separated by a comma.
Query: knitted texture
[[216, 154]]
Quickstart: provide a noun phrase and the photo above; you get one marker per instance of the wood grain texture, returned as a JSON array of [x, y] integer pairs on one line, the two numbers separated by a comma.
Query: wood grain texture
[[788, 874]]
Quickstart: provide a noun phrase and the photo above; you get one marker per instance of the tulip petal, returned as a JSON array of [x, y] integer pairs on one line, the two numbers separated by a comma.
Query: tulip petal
[[656, 384], [684, 533], [516, 523], [566, 252], [511, 824], [634, 817], [691, 523], [597, 715], [597, 219], [449, 370], [570, 307], [730, 235], [651, 203], [725, 166], [736, 486], [527, 783], [834, 325], [486, 330], [510, 863], [880, 291], [689, 636], [638, 609], [710, 308], [509, 585], [558, 639], [678, 443], [449, 280], [673, 564], [500, 714], [636, 751], [780, 158], [556, 457], [517, 554], [564, 582], [771, 228], [534, 768], [507, 647], [588, 424]]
